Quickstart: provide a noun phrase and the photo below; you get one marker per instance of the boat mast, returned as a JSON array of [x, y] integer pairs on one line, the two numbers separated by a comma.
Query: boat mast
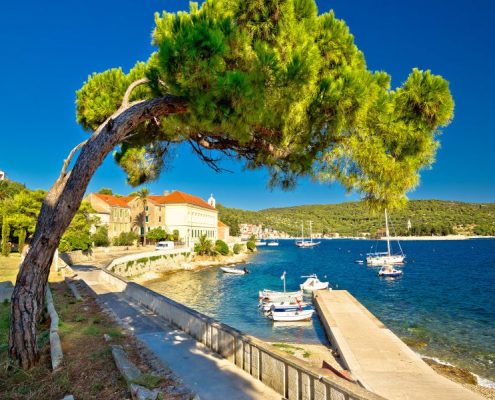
[[387, 232], [311, 231], [302, 232]]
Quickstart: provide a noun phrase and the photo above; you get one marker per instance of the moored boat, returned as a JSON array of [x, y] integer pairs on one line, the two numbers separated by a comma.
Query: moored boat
[[287, 305], [312, 283], [382, 258], [272, 243], [388, 270], [273, 296], [235, 271], [287, 316], [307, 243]]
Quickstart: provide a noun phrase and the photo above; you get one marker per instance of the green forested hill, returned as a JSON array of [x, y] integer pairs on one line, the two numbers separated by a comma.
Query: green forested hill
[[350, 219]]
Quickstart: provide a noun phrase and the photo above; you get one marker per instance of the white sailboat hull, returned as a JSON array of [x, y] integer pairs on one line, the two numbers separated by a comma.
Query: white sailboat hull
[[379, 260], [305, 245]]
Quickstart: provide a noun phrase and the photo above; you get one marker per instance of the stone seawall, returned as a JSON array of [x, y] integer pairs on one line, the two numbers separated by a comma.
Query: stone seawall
[[287, 375], [152, 261]]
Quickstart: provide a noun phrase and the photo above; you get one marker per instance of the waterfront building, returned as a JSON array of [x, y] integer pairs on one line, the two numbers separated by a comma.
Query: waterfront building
[[112, 211], [190, 215], [223, 231]]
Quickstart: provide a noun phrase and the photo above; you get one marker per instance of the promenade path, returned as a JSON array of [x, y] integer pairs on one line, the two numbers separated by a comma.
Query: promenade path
[[204, 372], [376, 357]]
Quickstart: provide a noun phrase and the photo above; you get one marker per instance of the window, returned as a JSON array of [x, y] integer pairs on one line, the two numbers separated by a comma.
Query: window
[[160, 219], [147, 218]]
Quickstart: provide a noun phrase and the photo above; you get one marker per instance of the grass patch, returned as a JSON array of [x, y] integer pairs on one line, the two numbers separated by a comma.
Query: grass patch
[[291, 349], [115, 332], [149, 381], [92, 330]]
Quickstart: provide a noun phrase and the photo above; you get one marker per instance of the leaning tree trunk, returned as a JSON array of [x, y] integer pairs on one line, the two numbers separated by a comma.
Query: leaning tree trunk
[[58, 208]]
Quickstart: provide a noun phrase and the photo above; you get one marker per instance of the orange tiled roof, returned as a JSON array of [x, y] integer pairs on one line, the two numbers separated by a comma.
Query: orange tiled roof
[[113, 200], [181, 198], [221, 224]]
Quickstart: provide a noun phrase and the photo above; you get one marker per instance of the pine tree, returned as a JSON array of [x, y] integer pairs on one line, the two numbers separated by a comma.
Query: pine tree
[[269, 82]]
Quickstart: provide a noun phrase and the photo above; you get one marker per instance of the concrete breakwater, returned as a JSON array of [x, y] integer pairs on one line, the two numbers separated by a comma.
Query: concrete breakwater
[[376, 357], [287, 375]]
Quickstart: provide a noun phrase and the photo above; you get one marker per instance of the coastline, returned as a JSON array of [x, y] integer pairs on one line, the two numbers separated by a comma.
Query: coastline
[[466, 378], [198, 263]]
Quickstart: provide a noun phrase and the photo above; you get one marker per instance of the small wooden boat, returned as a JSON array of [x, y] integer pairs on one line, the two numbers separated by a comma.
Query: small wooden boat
[[273, 296], [313, 283], [287, 316], [267, 306], [235, 271]]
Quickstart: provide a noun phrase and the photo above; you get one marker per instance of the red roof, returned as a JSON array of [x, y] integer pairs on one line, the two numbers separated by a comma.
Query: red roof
[[181, 198], [114, 200]]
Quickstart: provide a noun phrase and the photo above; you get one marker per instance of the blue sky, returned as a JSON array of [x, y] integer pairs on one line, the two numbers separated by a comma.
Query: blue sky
[[49, 48]]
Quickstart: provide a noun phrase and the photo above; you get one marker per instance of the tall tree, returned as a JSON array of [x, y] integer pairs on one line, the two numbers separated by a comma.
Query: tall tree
[[5, 237], [142, 196], [270, 82]]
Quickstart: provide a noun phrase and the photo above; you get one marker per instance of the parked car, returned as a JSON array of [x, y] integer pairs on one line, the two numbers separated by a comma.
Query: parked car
[[164, 245]]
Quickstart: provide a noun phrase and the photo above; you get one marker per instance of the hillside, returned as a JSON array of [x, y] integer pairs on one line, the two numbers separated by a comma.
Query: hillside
[[353, 218]]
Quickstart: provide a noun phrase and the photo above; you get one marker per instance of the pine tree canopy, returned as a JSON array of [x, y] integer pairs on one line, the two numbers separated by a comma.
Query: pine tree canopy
[[276, 84]]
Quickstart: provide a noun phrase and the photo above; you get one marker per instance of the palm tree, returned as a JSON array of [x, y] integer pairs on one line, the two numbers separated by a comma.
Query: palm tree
[[204, 246], [142, 196]]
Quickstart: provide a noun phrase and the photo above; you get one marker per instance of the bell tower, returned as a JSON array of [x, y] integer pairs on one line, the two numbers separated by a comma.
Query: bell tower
[[211, 201]]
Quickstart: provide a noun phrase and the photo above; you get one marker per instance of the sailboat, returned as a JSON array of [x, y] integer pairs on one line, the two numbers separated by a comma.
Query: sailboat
[[382, 258], [307, 243]]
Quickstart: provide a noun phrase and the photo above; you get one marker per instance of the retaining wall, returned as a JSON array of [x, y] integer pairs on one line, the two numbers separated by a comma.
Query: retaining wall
[[286, 374], [139, 263]]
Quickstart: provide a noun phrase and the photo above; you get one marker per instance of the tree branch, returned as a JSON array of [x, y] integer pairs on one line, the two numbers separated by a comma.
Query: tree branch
[[69, 158], [132, 86]]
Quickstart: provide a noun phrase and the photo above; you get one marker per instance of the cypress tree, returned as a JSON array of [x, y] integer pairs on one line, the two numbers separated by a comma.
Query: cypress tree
[[5, 237]]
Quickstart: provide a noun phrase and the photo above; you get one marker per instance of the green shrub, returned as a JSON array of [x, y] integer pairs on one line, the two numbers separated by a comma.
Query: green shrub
[[155, 258], [221, 247], [251, 245], [125, 239], [75, 240], [238, 248], [157, 234], [143, 260], [100, 237]]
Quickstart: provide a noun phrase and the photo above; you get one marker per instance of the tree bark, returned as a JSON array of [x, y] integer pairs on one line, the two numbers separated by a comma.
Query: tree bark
[[58, 208]]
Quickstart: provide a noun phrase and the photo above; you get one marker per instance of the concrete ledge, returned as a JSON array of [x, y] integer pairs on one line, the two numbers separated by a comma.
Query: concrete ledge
[[287, 375], [6, 290], [74, 290], [55, 345]]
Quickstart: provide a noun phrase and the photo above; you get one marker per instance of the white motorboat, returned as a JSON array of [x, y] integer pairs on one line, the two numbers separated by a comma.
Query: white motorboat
[[260, 243], [312, 283], [235, 271], [267, 306], [382, 258], [287, 316], [272, 243], [389, 271], [307, 243]]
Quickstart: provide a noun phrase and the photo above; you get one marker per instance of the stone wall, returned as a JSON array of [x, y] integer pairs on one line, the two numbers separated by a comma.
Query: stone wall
[[287, 375], [156, 261], [99, 253]]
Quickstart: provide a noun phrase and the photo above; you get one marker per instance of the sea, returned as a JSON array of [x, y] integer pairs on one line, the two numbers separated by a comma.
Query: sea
[[443, 305]]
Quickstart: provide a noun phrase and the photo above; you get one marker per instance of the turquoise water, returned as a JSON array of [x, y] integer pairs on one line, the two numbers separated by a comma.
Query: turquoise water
[[444, 303]]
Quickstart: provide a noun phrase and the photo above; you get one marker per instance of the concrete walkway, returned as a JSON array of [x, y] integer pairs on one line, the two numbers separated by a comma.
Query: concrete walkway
[[203, 371], [376, 357]]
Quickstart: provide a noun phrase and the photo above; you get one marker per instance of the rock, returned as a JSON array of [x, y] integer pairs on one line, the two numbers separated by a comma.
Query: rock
[[68, 397], [107, 337], [141, 393], [129, 371]]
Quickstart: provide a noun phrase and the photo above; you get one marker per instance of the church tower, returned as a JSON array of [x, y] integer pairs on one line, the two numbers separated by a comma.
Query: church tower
[[211, 201]]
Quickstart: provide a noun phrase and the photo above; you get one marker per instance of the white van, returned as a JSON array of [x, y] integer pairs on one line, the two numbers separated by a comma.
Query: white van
[[167, 245]]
